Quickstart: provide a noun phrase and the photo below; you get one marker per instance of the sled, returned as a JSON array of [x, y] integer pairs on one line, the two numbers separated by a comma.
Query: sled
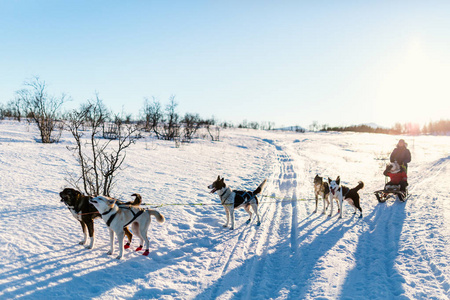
[[392, 190]]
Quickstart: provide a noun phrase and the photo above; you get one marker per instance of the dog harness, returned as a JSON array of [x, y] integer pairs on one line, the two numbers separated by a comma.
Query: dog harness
[[111, 218], [135, 215], [243, 197]]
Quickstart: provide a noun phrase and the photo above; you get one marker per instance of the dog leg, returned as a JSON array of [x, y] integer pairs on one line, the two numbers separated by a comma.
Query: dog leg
[[317, 201], [147, 242], [227, 212], [232, 217], [111, 240], [135, 227], [90, 227], [326, 203], [255, 209], [247, 209], [331, 204], [120, 236], [83, 226], [129, 237], [341, 200]]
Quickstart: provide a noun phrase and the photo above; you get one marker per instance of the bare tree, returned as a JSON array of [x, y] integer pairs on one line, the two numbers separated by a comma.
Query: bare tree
[[41, 107], [171, 126], [213, 129], [153, 116], [99, 159], [191, 123]]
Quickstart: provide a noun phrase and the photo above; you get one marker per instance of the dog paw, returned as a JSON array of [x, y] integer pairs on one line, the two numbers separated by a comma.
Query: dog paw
[[119, 257], [139, 248], [110, 252], [126, 246], [88, 246], [258, 223], [225, 226], [231, 228], [247, 222], [82, 243], [146, 252]]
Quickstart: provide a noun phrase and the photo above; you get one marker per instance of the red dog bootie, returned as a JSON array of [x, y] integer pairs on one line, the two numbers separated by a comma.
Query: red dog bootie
[[146, 253], [139, 248], [127, 245]]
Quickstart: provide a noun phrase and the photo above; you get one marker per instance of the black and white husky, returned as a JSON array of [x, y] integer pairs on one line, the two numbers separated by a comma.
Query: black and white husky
[[322, 189], [117, 217], [232, 200], [341, 193]]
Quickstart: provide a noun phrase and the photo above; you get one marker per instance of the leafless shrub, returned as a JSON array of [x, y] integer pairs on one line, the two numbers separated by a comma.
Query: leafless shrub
[[100, 159], [41, 107]]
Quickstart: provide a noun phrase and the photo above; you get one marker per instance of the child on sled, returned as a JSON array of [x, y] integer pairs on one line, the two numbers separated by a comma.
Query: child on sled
[[397, 176]]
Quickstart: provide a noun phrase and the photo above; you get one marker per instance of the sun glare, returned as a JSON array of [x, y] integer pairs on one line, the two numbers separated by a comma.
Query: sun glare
[[414, 88]]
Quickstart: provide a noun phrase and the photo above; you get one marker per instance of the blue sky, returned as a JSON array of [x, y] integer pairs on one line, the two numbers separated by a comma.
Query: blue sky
[[288, 62]]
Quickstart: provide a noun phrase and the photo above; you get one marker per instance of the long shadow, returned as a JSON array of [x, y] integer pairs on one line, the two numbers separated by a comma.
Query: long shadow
[[280, 270], [83, 278], [375, 275]]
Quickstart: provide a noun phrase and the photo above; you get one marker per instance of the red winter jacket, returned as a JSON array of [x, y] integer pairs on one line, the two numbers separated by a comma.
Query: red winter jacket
[[397, 177]]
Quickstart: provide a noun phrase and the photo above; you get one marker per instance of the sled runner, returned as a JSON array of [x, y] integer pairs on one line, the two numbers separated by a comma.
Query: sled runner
[[391, 190]]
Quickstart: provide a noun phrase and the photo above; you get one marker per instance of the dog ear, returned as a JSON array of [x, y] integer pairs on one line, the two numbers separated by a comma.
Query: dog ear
[[76, 194], [218, 178], [338, 179], [329, 180]]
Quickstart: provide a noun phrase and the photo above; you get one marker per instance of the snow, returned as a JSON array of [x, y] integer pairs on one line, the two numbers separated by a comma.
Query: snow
[[396, 251]]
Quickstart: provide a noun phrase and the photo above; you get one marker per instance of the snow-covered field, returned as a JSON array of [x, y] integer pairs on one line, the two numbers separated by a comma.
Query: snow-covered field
[[396, 251]]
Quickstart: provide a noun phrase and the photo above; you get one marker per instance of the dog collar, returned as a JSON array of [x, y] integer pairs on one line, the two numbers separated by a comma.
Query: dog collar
[[111, 218], [105, 213], [224, 197]]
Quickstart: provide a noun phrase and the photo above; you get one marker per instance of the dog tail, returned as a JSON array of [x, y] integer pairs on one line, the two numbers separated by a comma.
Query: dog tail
[[137, 200], [260, 187], [159, 217], [359, 186]]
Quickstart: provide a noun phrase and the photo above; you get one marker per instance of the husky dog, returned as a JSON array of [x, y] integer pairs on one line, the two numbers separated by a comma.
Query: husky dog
[[322, 189], [117, 217], [232, 200], [342, 193], [85, 213]]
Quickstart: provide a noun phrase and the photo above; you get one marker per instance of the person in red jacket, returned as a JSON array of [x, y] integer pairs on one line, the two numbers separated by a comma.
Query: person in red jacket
[[397, 175]]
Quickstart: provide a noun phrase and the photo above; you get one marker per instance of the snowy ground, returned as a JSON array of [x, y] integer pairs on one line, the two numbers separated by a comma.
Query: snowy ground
[[396, 251]]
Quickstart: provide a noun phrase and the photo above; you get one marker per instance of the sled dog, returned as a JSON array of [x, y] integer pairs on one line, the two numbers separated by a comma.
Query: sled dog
[[118, 216], [232, 200], [85, 213], [342, 193], [322, 189]]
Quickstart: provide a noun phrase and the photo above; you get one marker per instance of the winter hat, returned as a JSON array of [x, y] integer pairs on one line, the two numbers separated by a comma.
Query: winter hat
[[395, 167], [402, 141]]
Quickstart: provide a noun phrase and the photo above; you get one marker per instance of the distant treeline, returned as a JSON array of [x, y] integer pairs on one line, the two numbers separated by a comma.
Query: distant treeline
[[441, 127], [35, 104]]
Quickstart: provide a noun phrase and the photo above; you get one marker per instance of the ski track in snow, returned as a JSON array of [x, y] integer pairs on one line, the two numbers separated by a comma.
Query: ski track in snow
[[396, 251]]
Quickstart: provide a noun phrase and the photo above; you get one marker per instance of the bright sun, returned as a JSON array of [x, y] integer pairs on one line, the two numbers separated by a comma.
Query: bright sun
[[414, 88]]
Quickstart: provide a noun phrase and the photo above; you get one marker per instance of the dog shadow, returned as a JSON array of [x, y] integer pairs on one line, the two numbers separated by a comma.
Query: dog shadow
[[303, 259], [69, 273]]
